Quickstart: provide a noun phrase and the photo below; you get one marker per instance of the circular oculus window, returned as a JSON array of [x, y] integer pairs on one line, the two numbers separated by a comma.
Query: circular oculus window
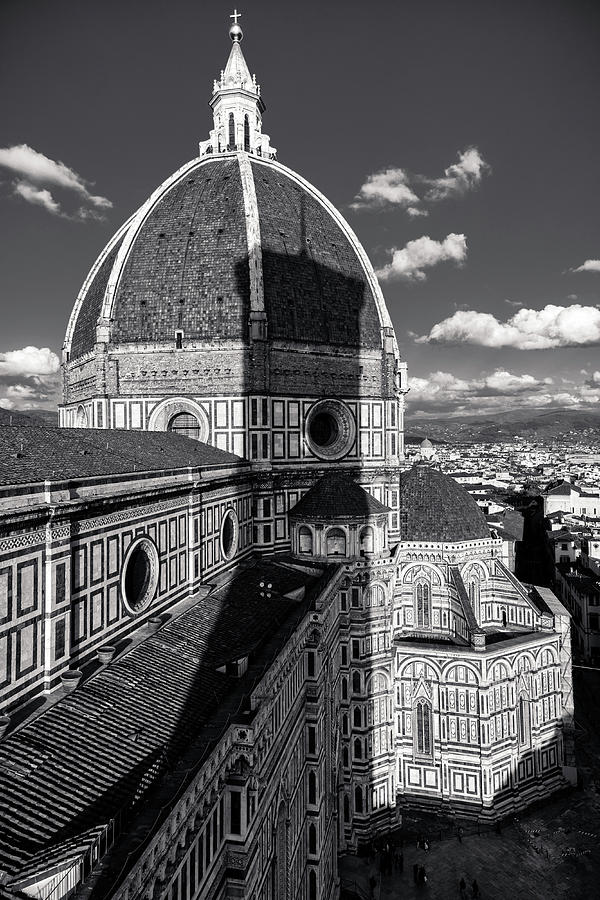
[[139, 577], [230, 529], [330, 429]]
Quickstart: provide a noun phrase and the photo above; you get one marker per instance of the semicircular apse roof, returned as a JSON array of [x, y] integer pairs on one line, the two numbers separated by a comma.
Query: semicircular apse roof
[[436, 508]]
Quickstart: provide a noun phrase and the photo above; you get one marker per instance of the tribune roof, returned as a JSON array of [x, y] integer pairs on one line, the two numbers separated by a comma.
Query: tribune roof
[[336, 496], [435, 507]]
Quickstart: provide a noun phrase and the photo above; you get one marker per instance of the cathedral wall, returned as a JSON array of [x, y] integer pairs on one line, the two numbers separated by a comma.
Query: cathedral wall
[[63, 581], [258, 820], [256, 427]]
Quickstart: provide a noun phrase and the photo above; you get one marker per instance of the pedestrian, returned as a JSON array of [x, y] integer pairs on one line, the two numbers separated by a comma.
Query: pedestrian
[[425, 846], [462, 887], [475, 889], [422, 875], [416, 873]]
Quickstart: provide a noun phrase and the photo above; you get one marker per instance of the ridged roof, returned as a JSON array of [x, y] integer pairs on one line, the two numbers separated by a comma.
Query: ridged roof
[[34, 453], [80, 762], [435, 507], [184, 264], [337, 496]]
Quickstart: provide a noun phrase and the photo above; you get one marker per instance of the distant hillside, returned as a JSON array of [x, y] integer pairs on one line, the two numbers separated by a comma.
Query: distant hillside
[[534, 424], [31, 417]]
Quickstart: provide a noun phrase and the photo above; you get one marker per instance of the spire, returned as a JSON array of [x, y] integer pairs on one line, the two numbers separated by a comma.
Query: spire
[[237, 106]]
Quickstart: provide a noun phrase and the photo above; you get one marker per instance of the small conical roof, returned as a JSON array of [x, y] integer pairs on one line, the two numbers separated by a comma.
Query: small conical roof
[[337, 496], [237, 73]]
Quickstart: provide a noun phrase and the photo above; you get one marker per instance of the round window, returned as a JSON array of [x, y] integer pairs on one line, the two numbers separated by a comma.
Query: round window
[[139, 576], [185, 424], [229, 534], [330, 429]]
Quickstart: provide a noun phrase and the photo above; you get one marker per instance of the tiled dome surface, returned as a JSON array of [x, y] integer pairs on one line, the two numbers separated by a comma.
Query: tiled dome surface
[[188, 267], [435, 507], [337, 496]]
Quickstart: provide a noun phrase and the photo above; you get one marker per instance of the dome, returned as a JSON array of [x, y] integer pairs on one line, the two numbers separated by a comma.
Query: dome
[[435, 507], [337, 496], [426, 443], [190, 261]]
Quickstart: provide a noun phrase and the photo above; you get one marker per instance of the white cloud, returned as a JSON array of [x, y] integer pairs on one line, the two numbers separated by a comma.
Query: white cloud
[[423, 253], [386, 188], [29, 361], [528, 329], [495, 391], [29, 378], [33, 168], [590, 265], [397, 187], [516, 303], [38, 196], [459, 177]]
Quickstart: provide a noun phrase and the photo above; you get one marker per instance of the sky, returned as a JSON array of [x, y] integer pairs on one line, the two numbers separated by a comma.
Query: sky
[[460, 140]]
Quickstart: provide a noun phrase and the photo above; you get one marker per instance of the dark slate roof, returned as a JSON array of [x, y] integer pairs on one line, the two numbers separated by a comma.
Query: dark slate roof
[[77, 764], [188, 267], [435, 507], [562, 489], [315, 287], [84, 333], [337, 496], [34, 453]]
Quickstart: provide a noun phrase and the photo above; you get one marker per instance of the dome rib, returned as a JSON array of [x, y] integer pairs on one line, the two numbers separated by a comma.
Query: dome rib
[[436, 508]]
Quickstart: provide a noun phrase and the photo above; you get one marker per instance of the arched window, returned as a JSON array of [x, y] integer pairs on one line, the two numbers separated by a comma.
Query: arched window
[[312, 885], [344, 688], [524, 723], [356, 682], [336, 542], [358, 800], [345, 757], [231, 133], [423, 729], [357, 717], [246, 134], [185, 424], [346, 808], [367, 540], [422, 604], [312, 839], [312, 788], [357, 749], [305, 539], [375, 596], [344, 724]]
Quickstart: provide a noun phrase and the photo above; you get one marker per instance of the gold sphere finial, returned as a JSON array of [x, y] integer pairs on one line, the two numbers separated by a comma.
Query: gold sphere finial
[[235, 32]]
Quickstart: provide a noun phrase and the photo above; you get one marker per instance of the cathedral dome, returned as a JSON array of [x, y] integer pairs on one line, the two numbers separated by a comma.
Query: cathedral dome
[[436, 508], [189, 261]]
